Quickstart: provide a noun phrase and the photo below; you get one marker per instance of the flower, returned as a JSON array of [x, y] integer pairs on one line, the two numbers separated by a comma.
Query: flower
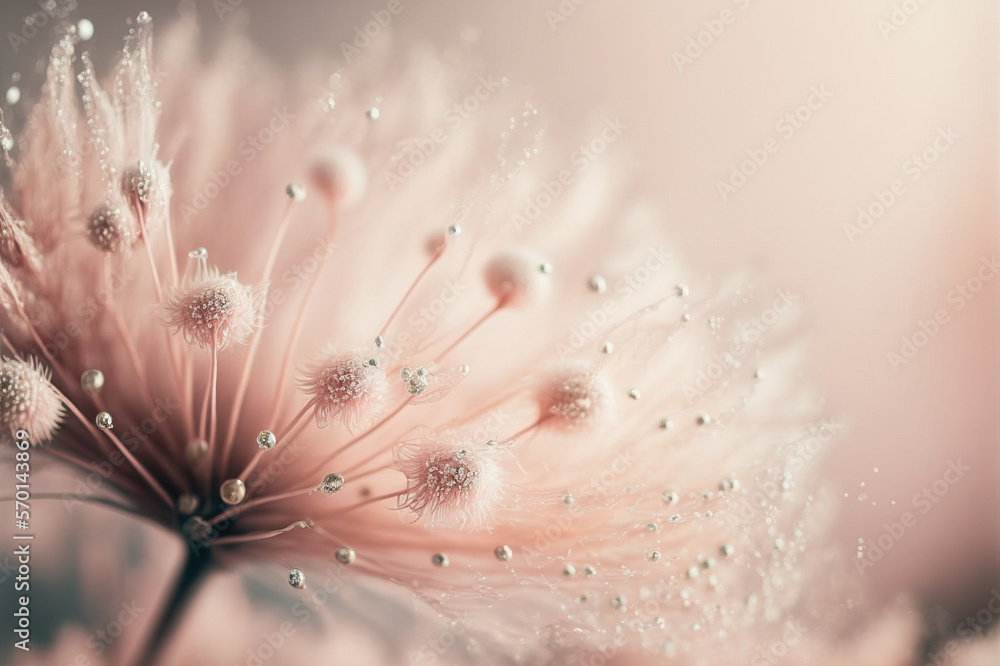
[[645, 496], [28, 400]]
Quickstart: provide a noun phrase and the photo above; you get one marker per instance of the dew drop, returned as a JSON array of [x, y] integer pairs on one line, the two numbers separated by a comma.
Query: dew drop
[[232, 491], [598, 284], [196, 450], [296, 579], [92, 380], [104, 421], [187, 504], [266, 440], [85, 29], [13, 95], [345, 555], [331, 483]]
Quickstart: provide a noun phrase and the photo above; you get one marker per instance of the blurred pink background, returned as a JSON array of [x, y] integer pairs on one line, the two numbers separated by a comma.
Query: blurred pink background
[[882, 90]]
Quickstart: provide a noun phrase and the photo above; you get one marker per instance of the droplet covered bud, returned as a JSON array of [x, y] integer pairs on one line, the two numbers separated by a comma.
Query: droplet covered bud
[[346, 387], [28, 400], [451, 480], [214, 310], [111, 230], [575, 396]]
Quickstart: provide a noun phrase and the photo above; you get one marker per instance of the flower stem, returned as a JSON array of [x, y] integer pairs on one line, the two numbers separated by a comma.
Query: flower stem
[[195, 572]]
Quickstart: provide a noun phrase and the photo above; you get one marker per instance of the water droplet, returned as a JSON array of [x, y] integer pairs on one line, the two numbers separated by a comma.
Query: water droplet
[[92, 380], [6, 138], [681, 290], [669, 496], [295, 191], [232, 491], [85, 29], [345, 555], [296, 579], [373, 113], [607, 347], [196, 450], [331, 483], [187, 504], [569, 571], [104, 421], [634, 394], [266, 440], [503, 553], [598, 284], [13, 95], [440, 560], [652, 555]]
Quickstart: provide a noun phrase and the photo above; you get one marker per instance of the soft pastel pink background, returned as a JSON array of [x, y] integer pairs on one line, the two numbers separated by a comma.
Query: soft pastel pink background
[[687, 129]]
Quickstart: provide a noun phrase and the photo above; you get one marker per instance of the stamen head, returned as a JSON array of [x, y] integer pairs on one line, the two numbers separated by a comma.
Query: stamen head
[[148, 182], [451, 480], [342, 176], [575, 397], [347, 387], [111, 230], [518, 278], [215, 311], [28, 400]]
